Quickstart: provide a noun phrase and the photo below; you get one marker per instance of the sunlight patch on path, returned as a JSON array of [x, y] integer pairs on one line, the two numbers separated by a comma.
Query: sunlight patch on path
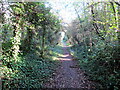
[[68, 74]]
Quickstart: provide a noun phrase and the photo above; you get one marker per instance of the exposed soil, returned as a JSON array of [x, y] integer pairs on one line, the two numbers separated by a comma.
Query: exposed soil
[[69, 75]]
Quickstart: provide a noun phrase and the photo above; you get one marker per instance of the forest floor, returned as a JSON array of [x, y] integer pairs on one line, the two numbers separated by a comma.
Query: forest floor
[[69, 74]]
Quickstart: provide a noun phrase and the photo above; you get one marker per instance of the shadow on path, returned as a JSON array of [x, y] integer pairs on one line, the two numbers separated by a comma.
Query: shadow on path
[[68, 74]]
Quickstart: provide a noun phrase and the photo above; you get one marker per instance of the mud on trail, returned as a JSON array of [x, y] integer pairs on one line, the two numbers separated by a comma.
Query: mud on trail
[[69, 75]]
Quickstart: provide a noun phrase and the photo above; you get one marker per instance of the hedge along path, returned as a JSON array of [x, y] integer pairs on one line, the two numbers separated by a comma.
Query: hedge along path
[[68, 74]]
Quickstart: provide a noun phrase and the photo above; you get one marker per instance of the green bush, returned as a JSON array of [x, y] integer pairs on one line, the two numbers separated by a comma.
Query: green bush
[[100, 63], [29, 71]]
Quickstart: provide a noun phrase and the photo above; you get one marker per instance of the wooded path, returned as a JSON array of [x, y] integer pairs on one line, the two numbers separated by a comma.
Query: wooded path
[[68, 74]]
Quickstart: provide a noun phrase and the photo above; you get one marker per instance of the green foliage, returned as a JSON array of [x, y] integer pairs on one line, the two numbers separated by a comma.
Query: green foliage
[[100, 63], [100, 59], [29, 71], [23, 65], [6, 46]]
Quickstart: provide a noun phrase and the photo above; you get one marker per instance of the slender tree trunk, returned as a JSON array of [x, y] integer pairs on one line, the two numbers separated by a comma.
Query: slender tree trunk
[[43, 39], [78, 16], [30, 35], [94, 24], [90, 40], [112, 4], [1, 40], [118, 24]]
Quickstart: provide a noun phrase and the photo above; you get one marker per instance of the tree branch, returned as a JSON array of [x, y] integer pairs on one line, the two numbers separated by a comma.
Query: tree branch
[[116, 3]]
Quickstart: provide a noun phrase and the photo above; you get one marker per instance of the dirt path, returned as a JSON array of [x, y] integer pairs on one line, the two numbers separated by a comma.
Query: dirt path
[[69, 75]]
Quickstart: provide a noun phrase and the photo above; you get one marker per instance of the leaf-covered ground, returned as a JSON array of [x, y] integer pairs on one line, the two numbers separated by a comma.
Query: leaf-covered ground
[[68, 74]]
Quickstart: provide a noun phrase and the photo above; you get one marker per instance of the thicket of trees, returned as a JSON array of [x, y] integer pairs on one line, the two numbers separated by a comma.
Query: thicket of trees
[[28, 29], [96, 38]]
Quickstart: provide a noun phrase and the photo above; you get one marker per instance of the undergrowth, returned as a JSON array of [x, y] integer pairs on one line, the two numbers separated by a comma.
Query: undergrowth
[[101, 63], [30, 70]]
